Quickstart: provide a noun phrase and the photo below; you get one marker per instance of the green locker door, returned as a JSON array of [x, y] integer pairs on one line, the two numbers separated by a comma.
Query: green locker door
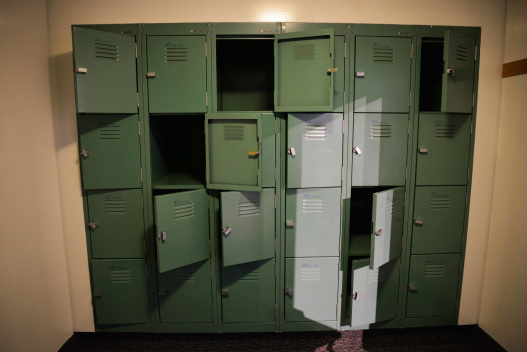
[[233, 145], [439, 215], [185, 294], [304, 71], [314, 143], [110, 151], [177, 74], [116, 223], [374, 292], [379, 149], [248, 292], [382, 74], [120, 291], [105, 72], [443, 149], [432, 285], [387, 218], [458, 75], [247, 221], [182, 222]]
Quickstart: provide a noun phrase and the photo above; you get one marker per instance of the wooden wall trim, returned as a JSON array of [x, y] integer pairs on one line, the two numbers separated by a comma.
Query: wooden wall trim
[[514, 68]]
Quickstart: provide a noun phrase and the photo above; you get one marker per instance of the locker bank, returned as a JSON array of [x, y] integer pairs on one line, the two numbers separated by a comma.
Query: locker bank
[[244, 177]]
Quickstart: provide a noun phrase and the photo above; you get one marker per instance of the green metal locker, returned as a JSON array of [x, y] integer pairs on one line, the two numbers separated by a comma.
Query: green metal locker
[[110, 151], [382, 74], [304, 71], [312, 222], [116, 223], [439, 215], [185, 294], [314, 143], [248, 226], [379, 149], [432, 285], [177, 74], [182, 225], [105, 72], [248, 292], [120, 291], [443, 149], [233, 146]]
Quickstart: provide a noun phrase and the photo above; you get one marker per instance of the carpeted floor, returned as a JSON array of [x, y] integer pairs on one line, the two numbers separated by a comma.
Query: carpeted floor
[[457, 338]]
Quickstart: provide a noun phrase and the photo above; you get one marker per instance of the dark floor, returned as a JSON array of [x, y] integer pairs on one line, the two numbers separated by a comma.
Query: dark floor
[[457, 338]]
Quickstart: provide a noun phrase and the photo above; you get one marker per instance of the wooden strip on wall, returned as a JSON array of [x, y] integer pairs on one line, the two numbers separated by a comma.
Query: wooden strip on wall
[[514, 68]]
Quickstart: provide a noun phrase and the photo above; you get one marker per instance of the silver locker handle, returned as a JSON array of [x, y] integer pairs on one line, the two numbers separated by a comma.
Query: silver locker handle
[[84, 153], [379, 232], [412, 288], [289, 223], [92, 225], [359, 74], [418, 222], [422, 150], [291, 151], [226, 231], [357, 151], [356, 296], [451, 71], [81, 70], [162, 236], [289, 292]]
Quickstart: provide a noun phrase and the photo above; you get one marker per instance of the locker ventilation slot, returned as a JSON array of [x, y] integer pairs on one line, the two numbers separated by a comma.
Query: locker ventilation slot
[[183, 211], [391, 207], [176, 54], [120, 276], [316, 132], [233, 132], [461, 53], [447, 130], [435, 270], [311, 274], [304, 52], [249, 208], [184, 275], [313, 205], [439, 202], [114, 206], [383, 54], [377, 131], [106, 51], [248, 273], [373, 276], [111, 131]]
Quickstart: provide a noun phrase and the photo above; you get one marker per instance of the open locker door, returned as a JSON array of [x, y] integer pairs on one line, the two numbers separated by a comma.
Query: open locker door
[[105, 71], [304, 71], [182, 221]]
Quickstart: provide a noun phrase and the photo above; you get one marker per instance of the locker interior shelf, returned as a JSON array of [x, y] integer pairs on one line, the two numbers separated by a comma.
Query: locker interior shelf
[[180, 180], [360, 245]]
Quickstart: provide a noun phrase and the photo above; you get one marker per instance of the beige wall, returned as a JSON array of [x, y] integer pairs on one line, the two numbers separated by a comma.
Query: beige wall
[[489, 14], [504, 305], [35, 311]]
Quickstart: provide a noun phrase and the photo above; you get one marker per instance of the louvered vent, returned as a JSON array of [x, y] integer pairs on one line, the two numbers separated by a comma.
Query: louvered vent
[[115, 205], [120, 276], [176, 54], [391, 207], [383, 54], [183, 211], [184, 275], [304, 52], [313, 205], [447, 130], [378, 131], [249, 208], [373, 275], [233, 132], [106, 51], [461, 53], [311, 273], [248, 272], [434, 270], [440, 202], [316, 132], [111, 131]]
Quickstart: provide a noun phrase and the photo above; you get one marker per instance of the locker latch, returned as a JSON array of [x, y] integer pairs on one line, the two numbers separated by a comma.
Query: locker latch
[[291, 151], [162, 236], [356, 296], [412, 288], [289, 292], [254, 153], [330, 70], [226, 231], [379, 232], [290, 223], [450, 71], [357, 150], [359, 74], [84, 153], [225, 293], [161, 293], [150, 74], [97, 294], [81, 70], [418, 222], [422, 150], [92, 225]]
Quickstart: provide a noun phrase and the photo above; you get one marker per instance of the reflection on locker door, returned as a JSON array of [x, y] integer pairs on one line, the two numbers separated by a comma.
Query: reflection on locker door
[[314, 143]]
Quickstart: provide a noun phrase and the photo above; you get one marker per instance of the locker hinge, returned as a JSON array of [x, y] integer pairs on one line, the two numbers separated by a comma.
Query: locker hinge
[[342, 173], [142, 202], [412, 51], [471, 126], [136, 50], [275, 178], [336, 310], [345, 49], [137, 99], [468, 174], [144, 245], [210, 271], [466, 198], [275, 269], [207, 98], [341, 200], [405, 199], [275, 310], [210, 250], [139, 126], [343, 127], [141, 175], [408, 126], [275, 126], [473, 99], [208, 202], [275, 201], [275, 247], [410, 102], [476, 53], [406, 173], [205, 49], [340, 247], [146, 268]]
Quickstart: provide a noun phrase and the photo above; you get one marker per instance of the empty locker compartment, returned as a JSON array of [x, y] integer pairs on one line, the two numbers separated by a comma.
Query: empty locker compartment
[[314, 154], [382, 74], [432, 285], [439, 214], [110, 151], [379, 149], [120, 291], [443, 149], [116, 223], [312, 222], [311, 289]]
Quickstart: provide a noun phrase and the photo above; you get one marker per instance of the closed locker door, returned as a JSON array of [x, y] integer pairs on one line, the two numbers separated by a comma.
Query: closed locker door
[[439, 215], [311, 289], [382, 74], [314, 143], [177, 74], [105, 72], [116, 223], [312, 222], [110, 151], [379, 149], [443, 149], [120, 291]]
